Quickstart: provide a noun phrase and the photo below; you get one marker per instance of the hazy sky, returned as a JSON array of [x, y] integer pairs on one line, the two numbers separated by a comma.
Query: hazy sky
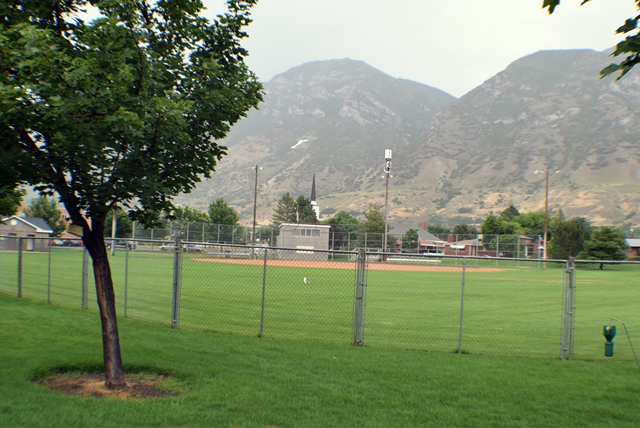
[[453, 45]]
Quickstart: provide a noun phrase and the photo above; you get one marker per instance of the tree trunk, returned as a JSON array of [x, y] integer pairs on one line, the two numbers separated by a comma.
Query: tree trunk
[[113, 372]]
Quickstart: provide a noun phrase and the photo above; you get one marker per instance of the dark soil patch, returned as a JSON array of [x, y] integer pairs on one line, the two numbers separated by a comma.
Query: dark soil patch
[[92, 385]]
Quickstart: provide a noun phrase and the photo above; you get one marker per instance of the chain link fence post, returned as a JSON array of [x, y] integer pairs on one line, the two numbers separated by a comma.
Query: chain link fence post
[[49, 275], [19, 267], [175, 312], [85, 277], [464, 271], [358, 313], [126, 279], [566, 341], [264, 290]]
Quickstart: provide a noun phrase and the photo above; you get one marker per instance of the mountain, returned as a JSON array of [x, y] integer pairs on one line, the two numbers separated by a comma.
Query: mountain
[[549, 109], [453, 159], [345, 111]]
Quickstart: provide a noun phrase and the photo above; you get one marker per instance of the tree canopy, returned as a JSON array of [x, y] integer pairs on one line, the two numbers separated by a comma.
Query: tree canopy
[[10, 201], [47, 209], [221, 213], [630, 46], [189, 214], [606, 243], [122, 111], [569, 237], [289, 210]]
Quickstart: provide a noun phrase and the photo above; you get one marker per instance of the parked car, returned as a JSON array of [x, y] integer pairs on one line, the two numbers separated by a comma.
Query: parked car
[[56, 242], [128, 245], [72, 243], [187, 248]]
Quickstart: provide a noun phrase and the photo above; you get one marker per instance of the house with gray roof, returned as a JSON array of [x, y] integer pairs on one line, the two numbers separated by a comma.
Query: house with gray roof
[[34, 233]]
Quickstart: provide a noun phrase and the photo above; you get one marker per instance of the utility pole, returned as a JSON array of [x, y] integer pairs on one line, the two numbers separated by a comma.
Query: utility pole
[[255, 201], [387, 174], [546, 213]]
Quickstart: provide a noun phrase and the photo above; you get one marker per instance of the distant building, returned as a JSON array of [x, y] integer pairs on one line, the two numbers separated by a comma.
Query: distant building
[[634, 247], [297, 241], [34, 232]]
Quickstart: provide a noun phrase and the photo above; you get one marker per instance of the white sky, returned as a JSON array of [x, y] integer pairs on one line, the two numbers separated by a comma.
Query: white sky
[[453, 45]]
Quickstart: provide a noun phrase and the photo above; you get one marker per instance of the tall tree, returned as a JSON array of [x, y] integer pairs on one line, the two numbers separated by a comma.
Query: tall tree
[[569, 237], [125, 110], [285, 210], [373, 226], [491, 225], [509, 214], [630, 46], [305, 212], [606, 243], [221, 213], [10, 200], [47, 209]]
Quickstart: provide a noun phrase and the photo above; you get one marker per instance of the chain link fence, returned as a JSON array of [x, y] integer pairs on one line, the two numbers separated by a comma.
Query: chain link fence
[[438, 303]]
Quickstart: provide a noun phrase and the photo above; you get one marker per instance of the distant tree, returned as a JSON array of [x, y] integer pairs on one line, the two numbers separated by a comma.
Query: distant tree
[[569, 237], [187, 214], [464, 231], [410, 239], [343, 218], [305, 212], [606, 243], [532, 223], [285, 210], [509, 214], [373, 225], [491, 225], [630, 46], [10, 200], [343, 227], [221, 213], [436, 229], [47, 208], [124, 225]]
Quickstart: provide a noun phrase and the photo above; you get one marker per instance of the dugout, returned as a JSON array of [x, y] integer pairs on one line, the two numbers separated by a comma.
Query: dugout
[[298, 241]]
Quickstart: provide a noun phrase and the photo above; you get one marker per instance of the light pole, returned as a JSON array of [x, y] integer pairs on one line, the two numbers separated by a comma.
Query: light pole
[[255, 201], [546, 208], [387, 174]]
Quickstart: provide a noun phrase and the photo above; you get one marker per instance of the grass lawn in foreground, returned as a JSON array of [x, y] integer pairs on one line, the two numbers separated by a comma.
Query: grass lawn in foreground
[[240, 381]]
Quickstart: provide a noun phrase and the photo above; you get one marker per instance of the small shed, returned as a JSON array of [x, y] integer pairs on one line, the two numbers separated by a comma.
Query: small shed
[[34, 232], [634, 247], [298, 241]]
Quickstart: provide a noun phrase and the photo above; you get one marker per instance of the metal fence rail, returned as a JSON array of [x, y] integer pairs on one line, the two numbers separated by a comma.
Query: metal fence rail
[[479, 305]]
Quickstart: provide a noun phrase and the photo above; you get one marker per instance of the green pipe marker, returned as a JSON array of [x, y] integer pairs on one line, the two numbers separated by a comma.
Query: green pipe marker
[[609, 333]]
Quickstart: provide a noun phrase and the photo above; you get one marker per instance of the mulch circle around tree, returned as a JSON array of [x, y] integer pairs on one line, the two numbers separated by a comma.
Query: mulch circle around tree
[[92, 385]]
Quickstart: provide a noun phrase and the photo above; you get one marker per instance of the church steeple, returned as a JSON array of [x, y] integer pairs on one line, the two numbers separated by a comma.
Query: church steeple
[[315, 206]]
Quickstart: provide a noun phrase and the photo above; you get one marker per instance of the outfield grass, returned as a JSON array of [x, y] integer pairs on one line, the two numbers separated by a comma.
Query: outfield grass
[[514, 310], [239, 381]]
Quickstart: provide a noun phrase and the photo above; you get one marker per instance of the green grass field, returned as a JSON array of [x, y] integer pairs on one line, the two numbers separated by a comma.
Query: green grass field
[[515, 310], [240, 381]]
